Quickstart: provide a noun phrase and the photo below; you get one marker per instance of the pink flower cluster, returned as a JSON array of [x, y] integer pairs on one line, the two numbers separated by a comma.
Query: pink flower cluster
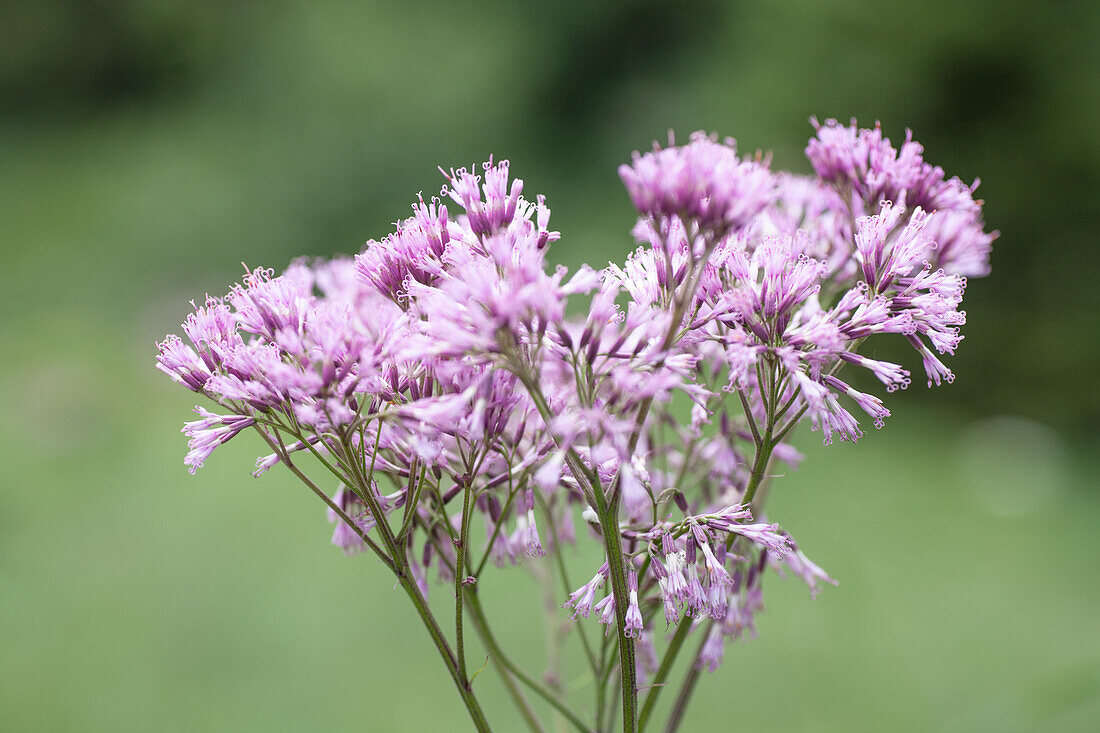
[[440, 362]]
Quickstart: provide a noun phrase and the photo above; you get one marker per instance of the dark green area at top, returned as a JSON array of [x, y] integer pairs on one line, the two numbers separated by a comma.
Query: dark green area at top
[[150, 147]]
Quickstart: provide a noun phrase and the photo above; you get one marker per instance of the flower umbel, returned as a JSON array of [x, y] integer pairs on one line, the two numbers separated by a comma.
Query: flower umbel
[[462, 406]]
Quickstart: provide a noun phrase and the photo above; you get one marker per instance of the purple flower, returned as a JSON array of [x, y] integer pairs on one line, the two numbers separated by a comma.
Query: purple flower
[[937, 372], [892, 375], [210, 432], [581, 599], [741, 614], [634, 624], [715, 571], [264, 463], [886, 258], [605, 609], [868, 403], [670, 600], [450, 361], [272, 307], [498, 207], [500, 548], [343, 536], [675, 584], [713, 651], [703, 180], [412, 253], [766, 536], [695, 596], [803, 567], [527, 534], [213, 330], [864, 162], [962, 246], [180, 362], [548, 476]]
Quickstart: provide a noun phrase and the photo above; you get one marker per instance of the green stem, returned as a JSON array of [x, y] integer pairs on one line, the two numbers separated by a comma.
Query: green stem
[[380, 520], [518, 698], [408, 584], [608, 510], [465, 690], [284, 455], [759, 466], [460, 578], [481, 625], [411, 500], [679, 307], [783, 432], [609, 524], [764, 446], [749, 417], [496, 531], [759, 470], [616, 563]]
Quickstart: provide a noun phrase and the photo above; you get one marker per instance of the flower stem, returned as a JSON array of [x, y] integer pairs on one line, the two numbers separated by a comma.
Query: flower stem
[[759, 469], [465, 690], [616, 564], [411, 502], [506, 668], [277, 446], [400, 570], [608, 513], [460, 578], [481, 625]]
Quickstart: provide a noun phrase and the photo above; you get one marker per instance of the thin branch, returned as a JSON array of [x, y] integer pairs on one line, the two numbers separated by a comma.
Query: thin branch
[[284, 456], [748, 415]]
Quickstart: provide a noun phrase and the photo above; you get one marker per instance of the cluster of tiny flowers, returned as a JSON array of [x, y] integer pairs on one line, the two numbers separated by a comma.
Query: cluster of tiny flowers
[[437, 376]]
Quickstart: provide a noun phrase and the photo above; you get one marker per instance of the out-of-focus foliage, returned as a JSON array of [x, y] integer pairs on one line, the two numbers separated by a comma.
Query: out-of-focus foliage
[[156, 143]]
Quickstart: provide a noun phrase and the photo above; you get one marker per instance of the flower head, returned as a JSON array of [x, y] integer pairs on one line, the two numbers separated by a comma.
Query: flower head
[[210, 432], [704, 181], [452, 363]]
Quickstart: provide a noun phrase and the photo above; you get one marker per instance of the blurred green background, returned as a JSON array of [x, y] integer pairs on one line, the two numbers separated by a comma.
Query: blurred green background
[[147, 148]]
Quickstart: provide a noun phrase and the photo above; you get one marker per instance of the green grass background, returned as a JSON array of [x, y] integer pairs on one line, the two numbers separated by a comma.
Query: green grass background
[[147, 148], [137, 598]]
